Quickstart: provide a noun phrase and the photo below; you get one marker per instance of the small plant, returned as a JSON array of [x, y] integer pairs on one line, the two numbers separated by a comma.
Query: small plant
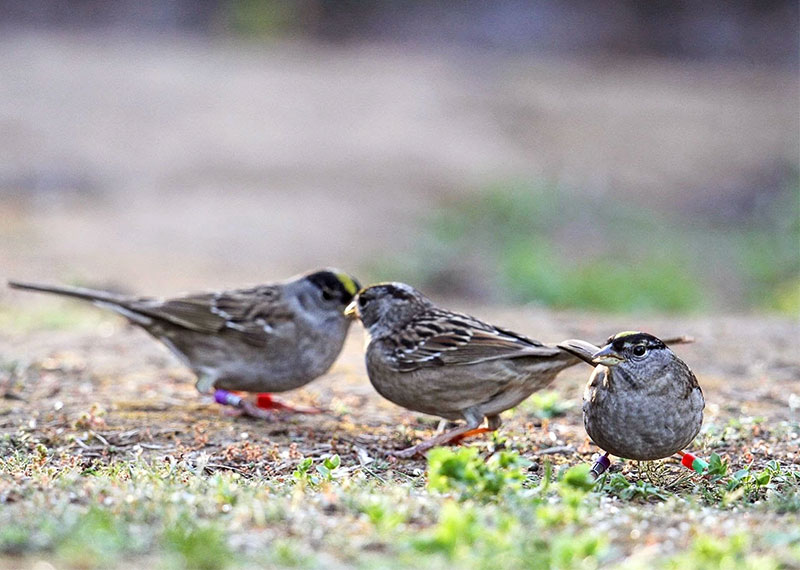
[[531, 530], [618, 485], [324, 471], [463, 471], [717, 468]]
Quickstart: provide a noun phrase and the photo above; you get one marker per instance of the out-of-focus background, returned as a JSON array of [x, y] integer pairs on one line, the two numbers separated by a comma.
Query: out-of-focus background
[[613, 156]]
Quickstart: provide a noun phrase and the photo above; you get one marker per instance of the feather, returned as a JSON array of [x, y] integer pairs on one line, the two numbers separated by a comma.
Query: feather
[[440, 337], [253, 313]]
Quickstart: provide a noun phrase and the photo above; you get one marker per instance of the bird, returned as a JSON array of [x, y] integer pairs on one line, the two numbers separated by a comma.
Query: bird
[[268, 338], [642, 402], [447, 364]]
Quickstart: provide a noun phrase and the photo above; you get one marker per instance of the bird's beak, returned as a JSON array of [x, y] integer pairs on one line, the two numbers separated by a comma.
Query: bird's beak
[[607, 357], [350, 311]]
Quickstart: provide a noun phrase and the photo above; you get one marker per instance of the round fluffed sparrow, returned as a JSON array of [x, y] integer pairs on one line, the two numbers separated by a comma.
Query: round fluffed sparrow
[[642, 402]]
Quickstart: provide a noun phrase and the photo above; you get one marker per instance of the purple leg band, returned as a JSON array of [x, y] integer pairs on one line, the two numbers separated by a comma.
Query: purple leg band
[[600, 466], [226, 398]]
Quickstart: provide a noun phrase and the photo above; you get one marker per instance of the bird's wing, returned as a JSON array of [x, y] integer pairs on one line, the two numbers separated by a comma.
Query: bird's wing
[[254, 313], [438, 338]]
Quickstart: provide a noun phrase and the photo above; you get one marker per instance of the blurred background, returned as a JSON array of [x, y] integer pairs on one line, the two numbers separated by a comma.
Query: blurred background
[[609, 156]]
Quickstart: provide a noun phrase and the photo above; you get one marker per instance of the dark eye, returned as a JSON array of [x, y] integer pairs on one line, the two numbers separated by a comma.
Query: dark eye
[[639, 350], [327, 295], [362, 301]]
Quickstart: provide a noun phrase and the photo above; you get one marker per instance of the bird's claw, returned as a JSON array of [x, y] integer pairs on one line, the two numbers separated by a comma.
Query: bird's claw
[[250, 409], [407, 453]]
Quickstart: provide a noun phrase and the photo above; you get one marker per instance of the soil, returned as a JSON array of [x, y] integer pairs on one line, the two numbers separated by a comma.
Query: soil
[[107, 390]]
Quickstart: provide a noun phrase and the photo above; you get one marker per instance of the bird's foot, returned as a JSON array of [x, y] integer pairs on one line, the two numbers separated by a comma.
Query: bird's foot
[[254, 411], [452, 436], [409, 452], [266, 401], [477, 431]]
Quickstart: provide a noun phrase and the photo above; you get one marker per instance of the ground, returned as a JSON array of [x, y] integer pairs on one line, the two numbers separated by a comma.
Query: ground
[[108, 449], [160, 164]]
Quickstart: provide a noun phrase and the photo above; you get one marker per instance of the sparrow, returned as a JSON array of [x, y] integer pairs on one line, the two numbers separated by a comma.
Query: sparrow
[[267, 338], [642, 402], [447, 364]]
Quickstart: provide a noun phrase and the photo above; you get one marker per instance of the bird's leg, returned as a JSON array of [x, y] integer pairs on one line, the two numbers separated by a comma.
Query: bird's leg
[[600, 466], [492, 423], [267, 401], [473, 421], [254, 411], [242, 405], [205, 382], [691, 462]]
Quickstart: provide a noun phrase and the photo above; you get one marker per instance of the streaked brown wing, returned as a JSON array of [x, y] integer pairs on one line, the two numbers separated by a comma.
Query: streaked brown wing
[[440, 338]]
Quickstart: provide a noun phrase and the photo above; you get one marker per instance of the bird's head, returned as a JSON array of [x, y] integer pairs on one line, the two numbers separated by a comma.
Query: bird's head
[[332, 288], [386, 306], [635, 349]]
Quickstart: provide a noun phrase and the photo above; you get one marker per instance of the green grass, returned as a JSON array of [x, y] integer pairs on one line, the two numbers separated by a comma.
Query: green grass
[[528, 242], [472, 508]]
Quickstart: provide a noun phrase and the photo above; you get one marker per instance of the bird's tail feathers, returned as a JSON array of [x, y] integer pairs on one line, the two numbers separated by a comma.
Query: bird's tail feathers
[[112, 301], [580, 348], [76, 292]]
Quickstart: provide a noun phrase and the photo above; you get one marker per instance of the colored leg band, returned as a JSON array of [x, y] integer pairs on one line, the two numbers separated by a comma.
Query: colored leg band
[[264, 401], [227, 399], [600, 466], [694, 463]]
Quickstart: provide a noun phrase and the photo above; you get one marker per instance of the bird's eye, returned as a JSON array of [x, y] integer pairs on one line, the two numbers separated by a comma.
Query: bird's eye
[[327, 295], [639, 350], [362, 301]]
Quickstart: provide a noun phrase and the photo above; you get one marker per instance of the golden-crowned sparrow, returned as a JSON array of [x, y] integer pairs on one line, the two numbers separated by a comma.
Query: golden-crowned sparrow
[[642, 402], [268, 338], [448, 364]]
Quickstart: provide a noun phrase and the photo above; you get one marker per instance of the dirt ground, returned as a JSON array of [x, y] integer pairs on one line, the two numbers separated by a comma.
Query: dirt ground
[[160, 164], [155, 165], [104, 389]]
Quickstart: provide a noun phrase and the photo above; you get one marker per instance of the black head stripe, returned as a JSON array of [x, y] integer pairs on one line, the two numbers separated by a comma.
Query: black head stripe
[[331, 283], [620, 341]]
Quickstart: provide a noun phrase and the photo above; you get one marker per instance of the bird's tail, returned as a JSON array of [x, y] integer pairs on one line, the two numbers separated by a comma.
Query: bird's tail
[[103, 299], [76, 292], [580, 348]]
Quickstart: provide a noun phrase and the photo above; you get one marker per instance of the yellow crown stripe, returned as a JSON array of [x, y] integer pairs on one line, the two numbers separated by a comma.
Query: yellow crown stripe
[[348, 283], [625, 333]]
